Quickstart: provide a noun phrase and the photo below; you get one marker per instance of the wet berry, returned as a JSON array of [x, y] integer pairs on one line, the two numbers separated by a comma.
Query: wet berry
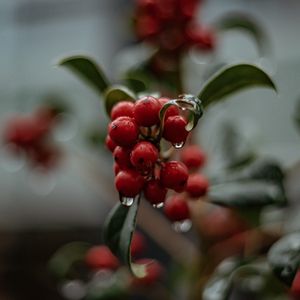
[[174, 175], [171, 110], [122, 157], [138, 244], [144, 155], [100, 257], [154, 192], [123, 131], [146, 111], [129, 183], [110, 144], [122, 109], [176, 209], [174, 130], [193, 157], [197, 186]]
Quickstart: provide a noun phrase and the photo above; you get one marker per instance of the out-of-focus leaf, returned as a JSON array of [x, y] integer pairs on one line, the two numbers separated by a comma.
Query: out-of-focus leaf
[[239, 21], [118, 230], [64, 258], [284, 257], [116, 94], [88, 70], [233, 79], [138, 80]]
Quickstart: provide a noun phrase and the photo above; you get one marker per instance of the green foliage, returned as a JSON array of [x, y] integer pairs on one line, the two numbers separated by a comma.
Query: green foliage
[[233, 79], [284, 257]]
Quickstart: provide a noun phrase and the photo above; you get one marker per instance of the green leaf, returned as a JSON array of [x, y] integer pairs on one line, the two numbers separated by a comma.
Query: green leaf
[[284, 257], [63, 260], [246, 194], [233, 79], [233, 21], [118, 230], [88, 70], [116, 94]]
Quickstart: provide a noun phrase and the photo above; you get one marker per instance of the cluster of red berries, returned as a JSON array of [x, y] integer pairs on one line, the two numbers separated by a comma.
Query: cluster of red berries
[[30, 135], [134, 137], [101, 258], [170, 25]]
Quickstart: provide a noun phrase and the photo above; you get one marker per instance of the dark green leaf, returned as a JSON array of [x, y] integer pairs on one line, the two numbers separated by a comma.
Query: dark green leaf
[[246, 194], [88, 70], [118, 231], [64, 258], [138, 80], [233, 79], [116, 94], [284, 257], [240, 21]]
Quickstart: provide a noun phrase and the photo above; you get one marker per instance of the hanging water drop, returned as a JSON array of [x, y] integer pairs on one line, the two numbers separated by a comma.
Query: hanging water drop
[[182, 226], [158, 205], [126, 201], [178, 145]]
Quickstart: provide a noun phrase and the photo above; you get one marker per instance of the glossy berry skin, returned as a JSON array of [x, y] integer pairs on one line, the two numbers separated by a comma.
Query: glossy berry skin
[[171, 111], [143, 156], [123, 131], [138, 244], [122, 109], [146, 111], [117, 168], [110, 144], [174, 175], [174, 129], [197, 186], [129, 183], [154, 272], [295, 289], [176, 209], [154, 192], [193, 157], [122, 157], [100, 257]]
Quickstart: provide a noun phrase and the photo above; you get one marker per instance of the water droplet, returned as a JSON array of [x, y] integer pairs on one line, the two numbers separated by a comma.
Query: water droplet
[[178, 145], [126, 201], [158, 205], [73, 290], [12, 159], [182, 226]]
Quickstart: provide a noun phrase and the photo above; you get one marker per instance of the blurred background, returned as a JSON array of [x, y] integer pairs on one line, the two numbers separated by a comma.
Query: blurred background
[[40, 212]]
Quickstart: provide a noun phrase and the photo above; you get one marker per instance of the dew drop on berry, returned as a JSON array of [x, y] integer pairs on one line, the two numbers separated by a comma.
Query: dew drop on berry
[[182, 226], [126, 201], [178, 145], [158, 205]]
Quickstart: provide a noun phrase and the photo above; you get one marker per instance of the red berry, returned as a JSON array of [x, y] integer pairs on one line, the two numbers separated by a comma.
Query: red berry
[[122, 109], [117, 168], [147, 27], [176, 209], [154, 272], [171, 111], [202, 38], [123, 131], [144, 155], [110, 144], [154, 192], [137, 244], [295, 289], [197, 186], [122, 157], [100, 257], [174, 130], [174, 175], [129, 183], [146, 111], [193, 157]]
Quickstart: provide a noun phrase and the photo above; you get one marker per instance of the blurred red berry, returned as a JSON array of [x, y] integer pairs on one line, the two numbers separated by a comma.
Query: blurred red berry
[[154, 192], [138, 244], [197, 186], [174, 175], [295, 289], [122, 109], [193, 157], [176, 209], [129, 183], [124, 131], [117, 168], [100, 257], [174, 130], [146, 111]]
